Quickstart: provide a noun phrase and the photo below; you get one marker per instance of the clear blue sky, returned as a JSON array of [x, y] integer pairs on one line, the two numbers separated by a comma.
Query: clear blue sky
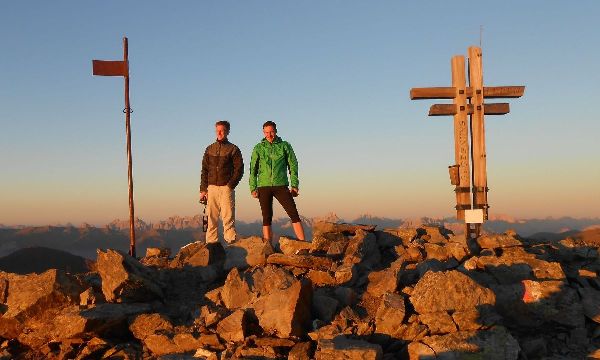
[[334, 75]]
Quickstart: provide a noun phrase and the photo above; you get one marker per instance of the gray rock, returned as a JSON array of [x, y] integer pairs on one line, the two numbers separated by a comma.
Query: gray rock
[[390, 314], [348, 349], [285, 312], [233, 327], [199, 254], [235, 293], [459, 293], [290, 246], [590, 299], [323, 227], [324, 307], [28, 296], [124, 279], [493, 344], [247, 252], [381, 282], [438, 322], [493, 241]]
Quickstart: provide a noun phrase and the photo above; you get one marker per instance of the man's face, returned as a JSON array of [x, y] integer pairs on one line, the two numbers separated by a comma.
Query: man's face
[[270, 133], [221, 132]]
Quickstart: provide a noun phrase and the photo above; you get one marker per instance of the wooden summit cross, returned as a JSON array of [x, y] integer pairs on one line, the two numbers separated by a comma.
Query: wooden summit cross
[[468, 100]]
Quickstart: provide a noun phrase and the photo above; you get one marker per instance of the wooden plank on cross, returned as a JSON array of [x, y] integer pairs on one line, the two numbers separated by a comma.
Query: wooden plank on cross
[[494, 92], [489, 92], [451, 109], [478, 132], [461, 136]]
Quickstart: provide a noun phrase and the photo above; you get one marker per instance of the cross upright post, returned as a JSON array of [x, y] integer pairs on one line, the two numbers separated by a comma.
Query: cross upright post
[[121, 68], [470, 180]]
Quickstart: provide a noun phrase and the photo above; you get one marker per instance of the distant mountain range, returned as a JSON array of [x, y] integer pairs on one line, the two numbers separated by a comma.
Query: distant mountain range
[[177, 231]]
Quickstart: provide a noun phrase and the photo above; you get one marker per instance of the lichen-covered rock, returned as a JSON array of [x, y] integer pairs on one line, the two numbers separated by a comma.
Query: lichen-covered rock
[[247, 252], [390, 314], [449, 291], [285, 312], [348, 349], [124, 279], [233, 328], [493, 241], [381, 282], [199, 254], [28, 296], [494, 344], [235, 293], [323, 227], [438, 322], [290, 246]]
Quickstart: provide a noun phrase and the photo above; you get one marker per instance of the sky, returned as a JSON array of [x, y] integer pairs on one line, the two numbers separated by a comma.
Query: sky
[[334, 75]]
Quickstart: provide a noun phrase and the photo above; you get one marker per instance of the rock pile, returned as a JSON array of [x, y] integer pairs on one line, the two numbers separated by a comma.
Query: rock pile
[[354, 292]]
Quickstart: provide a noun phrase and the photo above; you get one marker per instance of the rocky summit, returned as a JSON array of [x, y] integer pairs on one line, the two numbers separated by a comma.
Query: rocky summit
[[352, 292]]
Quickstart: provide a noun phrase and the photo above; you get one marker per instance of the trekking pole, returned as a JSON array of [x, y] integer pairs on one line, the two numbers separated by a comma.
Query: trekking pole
[[204, 216]]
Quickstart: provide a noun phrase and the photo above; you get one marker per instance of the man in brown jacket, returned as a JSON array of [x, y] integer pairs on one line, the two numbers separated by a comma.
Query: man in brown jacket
[[222, 170]]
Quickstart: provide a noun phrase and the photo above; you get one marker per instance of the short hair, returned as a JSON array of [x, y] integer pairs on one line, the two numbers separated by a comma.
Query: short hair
[[224, 123], [270, 123]]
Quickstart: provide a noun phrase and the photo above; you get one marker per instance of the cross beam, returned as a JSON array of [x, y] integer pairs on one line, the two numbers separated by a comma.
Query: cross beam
[[468, 109]]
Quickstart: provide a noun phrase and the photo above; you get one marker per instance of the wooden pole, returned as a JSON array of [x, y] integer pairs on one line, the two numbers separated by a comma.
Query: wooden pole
[[129, 170], [461, 136], [478, 131]]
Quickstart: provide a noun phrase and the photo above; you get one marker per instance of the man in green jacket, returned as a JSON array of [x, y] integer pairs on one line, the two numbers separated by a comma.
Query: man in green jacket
[[272, 159]]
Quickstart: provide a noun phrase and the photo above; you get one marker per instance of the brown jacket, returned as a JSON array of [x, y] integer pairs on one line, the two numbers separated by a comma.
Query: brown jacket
[[222, 164]]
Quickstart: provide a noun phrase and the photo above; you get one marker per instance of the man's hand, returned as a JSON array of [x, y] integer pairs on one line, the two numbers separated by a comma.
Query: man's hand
[[295, 192], [203, 196], [255, 194]]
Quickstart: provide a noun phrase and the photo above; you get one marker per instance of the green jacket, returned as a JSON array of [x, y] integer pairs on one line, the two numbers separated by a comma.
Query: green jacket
[[270, 162]]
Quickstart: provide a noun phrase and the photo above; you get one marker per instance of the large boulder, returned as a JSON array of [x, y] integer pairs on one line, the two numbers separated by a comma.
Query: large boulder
[[324, 307], [345, 348], [159, 335], [267, 278], [124, 279], [157, 257], [106, 320], [324, 227], [494, 241], [199, 254], [233, 328], [247, 252], [381, 282], [285, 312], [433, 234], [389, 238], [590, 299], [362, 249], [514, 265], [329, 243], [290, 246], [449, 291], [27, 296], [235, 293], [390, 314], [531, 304], [101, 320], [494, 344]]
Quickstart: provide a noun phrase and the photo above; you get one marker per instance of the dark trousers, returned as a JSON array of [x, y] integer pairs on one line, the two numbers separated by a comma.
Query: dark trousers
[[283, 195]]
